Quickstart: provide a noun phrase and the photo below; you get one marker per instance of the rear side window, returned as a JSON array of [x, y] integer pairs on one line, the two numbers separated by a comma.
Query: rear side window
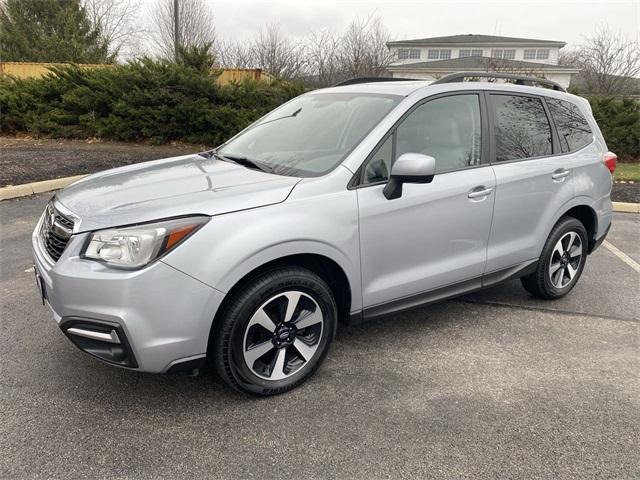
[[522, 128], [573, 129]]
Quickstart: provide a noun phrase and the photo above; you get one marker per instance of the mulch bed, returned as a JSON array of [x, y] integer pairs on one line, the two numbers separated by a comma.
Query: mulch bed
[[25, 160], [626, 192]]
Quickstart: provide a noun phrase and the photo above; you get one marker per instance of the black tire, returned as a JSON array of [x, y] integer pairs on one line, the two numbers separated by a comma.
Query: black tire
[[540, 283], [228, 344]]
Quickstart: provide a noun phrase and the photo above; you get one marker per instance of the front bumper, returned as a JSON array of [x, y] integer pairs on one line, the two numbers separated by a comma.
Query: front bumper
[[161, 317]]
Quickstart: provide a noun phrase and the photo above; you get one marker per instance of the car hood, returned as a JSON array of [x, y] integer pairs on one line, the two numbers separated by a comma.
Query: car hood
[[171, 187]]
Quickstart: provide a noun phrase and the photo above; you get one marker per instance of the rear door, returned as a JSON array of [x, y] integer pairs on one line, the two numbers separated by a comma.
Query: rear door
[[533, 178]]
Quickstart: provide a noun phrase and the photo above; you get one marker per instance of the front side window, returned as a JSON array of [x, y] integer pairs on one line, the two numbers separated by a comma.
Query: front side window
[[522, 128], [447, 128], [573, 129], [311, 134]]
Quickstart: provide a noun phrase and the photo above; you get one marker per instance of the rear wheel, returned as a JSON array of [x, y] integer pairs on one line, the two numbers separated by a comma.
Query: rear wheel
[[275, 331], [562, 261]]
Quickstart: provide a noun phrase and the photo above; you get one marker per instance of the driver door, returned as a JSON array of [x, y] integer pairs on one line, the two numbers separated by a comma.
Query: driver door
[[433, 239]]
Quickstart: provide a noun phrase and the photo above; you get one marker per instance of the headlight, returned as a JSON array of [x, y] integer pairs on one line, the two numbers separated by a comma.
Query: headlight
[[135, 247]]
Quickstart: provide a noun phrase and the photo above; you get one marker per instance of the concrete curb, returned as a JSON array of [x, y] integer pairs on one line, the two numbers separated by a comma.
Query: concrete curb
[[626, 207], [16, 191]]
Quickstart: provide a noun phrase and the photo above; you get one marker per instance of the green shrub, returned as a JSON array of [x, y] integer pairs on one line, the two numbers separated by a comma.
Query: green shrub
[[619, 120], [143, 100]]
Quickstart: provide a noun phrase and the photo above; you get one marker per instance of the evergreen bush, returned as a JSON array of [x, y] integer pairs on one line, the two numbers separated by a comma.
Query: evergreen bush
[[619, 120], [147, 99]]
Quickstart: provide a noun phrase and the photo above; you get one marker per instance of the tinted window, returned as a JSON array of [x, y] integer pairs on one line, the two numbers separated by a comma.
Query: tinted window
[[573, 129], [522, 128], [446, 128]]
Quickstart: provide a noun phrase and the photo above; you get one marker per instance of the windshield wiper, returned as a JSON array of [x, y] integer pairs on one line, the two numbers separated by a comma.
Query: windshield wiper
[[245, 161]]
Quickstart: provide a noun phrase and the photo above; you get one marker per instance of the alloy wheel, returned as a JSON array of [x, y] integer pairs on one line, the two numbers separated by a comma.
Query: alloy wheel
[[282, 335], [565, 260]]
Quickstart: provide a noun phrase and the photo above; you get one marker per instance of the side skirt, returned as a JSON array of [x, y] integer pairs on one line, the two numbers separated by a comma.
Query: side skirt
[[443, 293]]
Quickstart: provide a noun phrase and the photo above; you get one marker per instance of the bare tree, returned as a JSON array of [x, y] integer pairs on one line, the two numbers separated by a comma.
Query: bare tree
[[116, 22], [235, 54], [608, 62], [323, 67], [277, 54], [363, 48], [196, 28]]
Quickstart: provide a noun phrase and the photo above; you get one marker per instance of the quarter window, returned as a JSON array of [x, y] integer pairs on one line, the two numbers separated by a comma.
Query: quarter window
[[573, 129], [522, 128]]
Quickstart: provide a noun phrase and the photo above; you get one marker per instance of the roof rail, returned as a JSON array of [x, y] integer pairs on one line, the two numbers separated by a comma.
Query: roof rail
[[355, 81], [520, 80]]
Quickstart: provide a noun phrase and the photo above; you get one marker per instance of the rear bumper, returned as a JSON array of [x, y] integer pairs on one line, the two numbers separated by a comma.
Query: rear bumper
[[152, 320]]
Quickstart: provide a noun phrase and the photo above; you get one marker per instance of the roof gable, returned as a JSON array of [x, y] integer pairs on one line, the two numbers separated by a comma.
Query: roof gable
[[471, 38]]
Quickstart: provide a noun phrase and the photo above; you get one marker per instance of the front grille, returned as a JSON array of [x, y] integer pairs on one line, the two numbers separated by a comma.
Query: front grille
[[55, 232]]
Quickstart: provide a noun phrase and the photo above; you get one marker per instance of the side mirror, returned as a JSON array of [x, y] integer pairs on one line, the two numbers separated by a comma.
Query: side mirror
[[409, 168]]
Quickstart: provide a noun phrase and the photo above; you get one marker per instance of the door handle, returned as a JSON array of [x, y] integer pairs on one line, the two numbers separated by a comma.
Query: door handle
[[479, 192], [560, 174]]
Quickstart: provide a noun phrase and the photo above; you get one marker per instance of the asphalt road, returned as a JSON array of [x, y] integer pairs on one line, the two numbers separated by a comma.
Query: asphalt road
[[492, 385]]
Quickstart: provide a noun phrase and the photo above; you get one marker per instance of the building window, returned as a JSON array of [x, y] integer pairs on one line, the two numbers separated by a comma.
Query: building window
[[542, 54], [533, 54], [443, 54], [404, 53], [466, 52], [506, 54]]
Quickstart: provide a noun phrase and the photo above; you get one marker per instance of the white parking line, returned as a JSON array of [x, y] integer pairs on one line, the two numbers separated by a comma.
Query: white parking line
[[622, 256]]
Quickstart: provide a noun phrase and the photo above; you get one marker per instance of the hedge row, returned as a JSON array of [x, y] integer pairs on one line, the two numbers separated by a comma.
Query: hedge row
[[144, 100], [160, 101], [619, 120]]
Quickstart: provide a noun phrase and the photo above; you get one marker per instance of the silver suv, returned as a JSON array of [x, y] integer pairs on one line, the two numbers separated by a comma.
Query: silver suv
[[347, 203]]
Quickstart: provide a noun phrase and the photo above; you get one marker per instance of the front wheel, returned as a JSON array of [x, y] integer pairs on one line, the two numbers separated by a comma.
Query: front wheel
[[274, 331], [562, 261]]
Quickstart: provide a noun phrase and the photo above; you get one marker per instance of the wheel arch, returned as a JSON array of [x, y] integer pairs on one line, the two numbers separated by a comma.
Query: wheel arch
[[585, 213], [324, 266]]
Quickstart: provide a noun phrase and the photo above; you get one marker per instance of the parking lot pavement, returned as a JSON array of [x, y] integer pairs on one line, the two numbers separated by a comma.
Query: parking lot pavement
[[493, 385]]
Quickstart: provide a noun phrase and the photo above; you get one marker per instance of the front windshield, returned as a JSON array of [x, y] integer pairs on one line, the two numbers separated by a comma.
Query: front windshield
[[311, 134]]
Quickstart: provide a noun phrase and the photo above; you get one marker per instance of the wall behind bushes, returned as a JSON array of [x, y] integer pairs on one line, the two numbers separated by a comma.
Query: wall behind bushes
[[144, 100]]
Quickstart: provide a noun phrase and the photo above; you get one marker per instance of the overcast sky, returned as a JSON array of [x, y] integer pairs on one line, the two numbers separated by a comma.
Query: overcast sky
[[550, 20]]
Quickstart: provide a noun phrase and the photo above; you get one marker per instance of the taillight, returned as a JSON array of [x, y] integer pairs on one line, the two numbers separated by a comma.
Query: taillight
[[610, 160]]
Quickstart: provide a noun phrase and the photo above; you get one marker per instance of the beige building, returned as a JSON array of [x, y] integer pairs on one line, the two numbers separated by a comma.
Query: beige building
[[432, 58]]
